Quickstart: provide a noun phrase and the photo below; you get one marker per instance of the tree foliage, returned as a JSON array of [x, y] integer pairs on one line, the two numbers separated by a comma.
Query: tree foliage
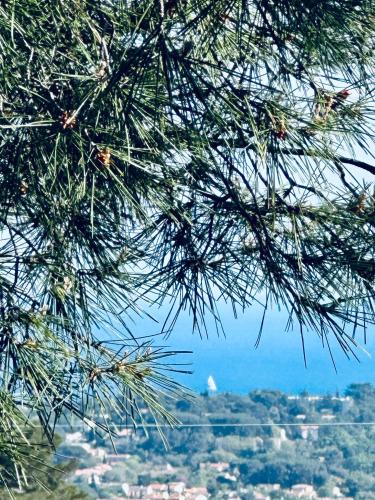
[[179, 152], [40, 477]]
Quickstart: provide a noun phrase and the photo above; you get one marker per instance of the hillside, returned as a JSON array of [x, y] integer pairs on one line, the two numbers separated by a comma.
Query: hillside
[[266, 445]]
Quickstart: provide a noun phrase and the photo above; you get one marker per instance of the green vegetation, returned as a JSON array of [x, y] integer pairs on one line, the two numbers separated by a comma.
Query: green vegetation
[[42, 477], [325, 457]]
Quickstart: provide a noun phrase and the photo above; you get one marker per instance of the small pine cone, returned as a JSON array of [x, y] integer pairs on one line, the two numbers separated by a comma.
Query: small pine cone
[[67, 284], [104, 157], [94, 374], [23, 188], [44, 310], [30, 344], [281, 134], [103, 70], [119, 367], [281, 130], [361, 204], [67, 120]]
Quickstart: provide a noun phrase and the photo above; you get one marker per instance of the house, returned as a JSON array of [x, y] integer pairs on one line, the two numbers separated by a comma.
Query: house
[[301, 416], [117, 457], [77, 439], [157, 496], [336, 492], [97, 470], [158, 487], [277, 440], [94, 452], [169, 469], [196, 493], [176, 487], [267, 487], [74, 438], [216, 466], [309, 431], [328, 417], [232, 495], [155, 491], [260, 496], [125, 432], [229, 477], [303, 491], [134, 491]]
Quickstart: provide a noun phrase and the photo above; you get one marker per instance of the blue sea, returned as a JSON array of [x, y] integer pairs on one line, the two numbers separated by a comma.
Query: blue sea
[[277, 363]]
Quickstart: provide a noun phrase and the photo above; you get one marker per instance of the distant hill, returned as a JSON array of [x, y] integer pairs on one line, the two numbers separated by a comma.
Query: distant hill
[[265, 443]]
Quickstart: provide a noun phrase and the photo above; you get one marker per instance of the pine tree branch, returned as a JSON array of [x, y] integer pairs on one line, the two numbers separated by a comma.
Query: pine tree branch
[[342, 159], [240, 143], [357, 163]]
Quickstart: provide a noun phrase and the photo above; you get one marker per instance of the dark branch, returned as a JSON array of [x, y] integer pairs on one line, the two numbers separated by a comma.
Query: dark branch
[[341, 159], [241, 143], [357, 163]]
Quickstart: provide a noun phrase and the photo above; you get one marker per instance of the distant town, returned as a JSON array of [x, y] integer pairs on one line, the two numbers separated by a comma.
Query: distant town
[[266, 445]]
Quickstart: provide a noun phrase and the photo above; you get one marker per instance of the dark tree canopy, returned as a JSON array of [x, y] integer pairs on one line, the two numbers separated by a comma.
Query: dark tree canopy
[[180, 152]]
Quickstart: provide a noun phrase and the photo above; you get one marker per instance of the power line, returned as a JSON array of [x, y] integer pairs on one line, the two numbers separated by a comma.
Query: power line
[[218, 425]]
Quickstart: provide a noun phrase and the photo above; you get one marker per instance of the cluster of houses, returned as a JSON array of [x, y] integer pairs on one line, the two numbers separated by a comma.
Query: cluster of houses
[[297, 491], [163, 491], [178, 490]]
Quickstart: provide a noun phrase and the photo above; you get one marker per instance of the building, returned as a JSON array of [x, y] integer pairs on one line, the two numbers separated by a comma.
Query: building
[[176, 487], [97, 471], [216, 466], [196, 493], [303, 491], [309, 431], [112, 458]]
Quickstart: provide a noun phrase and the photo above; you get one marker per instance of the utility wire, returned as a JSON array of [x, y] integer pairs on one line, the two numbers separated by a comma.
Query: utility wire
[[246, 424]]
